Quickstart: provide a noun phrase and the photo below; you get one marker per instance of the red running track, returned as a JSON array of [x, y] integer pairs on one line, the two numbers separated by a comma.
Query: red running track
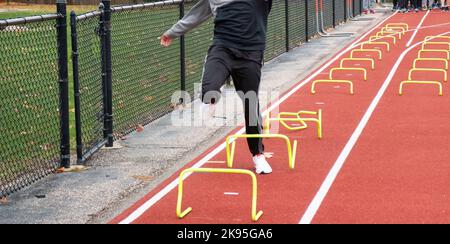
[[395, 173]]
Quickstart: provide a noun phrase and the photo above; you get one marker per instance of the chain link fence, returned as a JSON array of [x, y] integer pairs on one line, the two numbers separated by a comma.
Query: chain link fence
[[33, 125]]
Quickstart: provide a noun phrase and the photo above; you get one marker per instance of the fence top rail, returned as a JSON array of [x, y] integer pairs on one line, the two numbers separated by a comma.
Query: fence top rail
[[89, 15], [147, 5], [26, 20]]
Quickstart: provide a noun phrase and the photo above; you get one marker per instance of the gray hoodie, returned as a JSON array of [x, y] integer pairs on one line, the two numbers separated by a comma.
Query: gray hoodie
[[240, 24]]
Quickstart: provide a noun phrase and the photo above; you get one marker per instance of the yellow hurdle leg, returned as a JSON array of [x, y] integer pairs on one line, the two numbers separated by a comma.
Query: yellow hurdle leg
[[181, 214]]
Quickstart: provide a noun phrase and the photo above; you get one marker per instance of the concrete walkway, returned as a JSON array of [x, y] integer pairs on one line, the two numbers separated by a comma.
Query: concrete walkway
[[119, 177]]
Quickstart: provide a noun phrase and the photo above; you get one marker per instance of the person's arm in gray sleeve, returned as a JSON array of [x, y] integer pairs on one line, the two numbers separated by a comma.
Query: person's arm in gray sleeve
[[196, 16]]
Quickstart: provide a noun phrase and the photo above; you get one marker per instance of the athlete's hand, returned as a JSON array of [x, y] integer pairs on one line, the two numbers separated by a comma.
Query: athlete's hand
[[165, 40]]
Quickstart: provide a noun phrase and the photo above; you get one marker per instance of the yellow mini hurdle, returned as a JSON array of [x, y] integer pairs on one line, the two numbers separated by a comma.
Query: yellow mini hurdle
[[400, 92], [386, 44], [296, 117], [348, 69], [427, 70], [380, 37], [437, 37], [380, 55], [443, 60], [313, 86], [182, 214], [231, 140], [447, 53], [404, 26], [424, 44], [393, 33], [372, 62]]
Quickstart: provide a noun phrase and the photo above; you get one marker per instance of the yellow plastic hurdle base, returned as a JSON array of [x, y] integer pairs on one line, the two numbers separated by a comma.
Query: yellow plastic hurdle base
[[348, 69], [447, 53], [313, 86], [427, 70], [400, 92], [380, 55], [182, 214], [231, 140], [296, 117], [443, 60]]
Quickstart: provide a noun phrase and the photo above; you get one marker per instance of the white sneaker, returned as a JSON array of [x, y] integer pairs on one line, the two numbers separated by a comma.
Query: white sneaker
[[261, 165]]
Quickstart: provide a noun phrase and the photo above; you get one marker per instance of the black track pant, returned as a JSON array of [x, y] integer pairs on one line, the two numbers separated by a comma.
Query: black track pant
[[245, 69], [416, 3], [402, 3]]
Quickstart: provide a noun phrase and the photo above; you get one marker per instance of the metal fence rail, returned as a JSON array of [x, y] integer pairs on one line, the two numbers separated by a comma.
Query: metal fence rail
[[33, 99]]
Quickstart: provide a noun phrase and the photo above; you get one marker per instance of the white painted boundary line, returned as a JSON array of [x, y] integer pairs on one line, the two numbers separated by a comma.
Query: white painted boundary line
[[331, 177], [417, 29], [148, 204]]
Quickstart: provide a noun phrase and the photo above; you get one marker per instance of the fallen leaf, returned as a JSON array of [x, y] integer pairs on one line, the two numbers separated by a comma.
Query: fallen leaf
[[139, 128], [145, 178], [3, 200]]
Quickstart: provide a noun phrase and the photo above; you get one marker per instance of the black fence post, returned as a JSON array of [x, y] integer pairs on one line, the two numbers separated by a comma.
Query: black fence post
[[286, 16], [360, 7], [182, 59], [107, 69], [61, 29], [306, 20], [345, 10], [76, 86], [353, 7], [334, 13]]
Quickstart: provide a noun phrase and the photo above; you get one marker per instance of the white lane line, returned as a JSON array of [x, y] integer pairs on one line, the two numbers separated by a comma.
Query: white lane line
[[231, 193], [149, 203], [331, 177], [417, 29]]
